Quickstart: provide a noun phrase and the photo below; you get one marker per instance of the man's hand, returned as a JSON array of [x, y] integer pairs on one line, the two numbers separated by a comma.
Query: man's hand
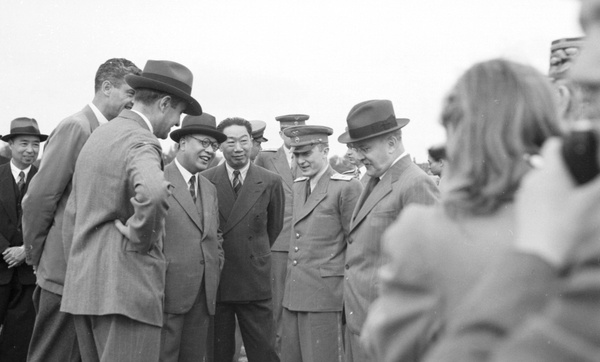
[[554, 213], [123, 229], [14, 256]]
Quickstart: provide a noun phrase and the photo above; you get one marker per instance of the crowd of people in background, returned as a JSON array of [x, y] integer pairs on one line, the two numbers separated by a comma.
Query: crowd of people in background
[[109, 253]]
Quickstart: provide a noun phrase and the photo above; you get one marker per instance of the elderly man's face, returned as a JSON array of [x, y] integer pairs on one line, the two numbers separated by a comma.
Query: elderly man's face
[[236, 149], [376, 154], [25, 150]]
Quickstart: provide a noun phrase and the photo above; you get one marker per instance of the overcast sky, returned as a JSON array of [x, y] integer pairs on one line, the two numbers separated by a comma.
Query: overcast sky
[[261, 59]]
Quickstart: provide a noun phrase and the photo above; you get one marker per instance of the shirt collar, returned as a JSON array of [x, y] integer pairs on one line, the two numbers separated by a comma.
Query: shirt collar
[[184, 172], [243, 171], [315, 180], [145, 120], [16, 171], [393, 163], [98, 114]]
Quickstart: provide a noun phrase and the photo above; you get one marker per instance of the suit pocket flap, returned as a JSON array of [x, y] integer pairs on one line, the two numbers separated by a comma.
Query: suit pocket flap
[[331, 271]]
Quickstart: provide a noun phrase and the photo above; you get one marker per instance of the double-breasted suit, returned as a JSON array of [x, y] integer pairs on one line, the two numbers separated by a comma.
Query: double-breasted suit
[[312, 328], [118, 176], [17, 313], [404, 183], [250, 224], [43, 211], [193, 248]]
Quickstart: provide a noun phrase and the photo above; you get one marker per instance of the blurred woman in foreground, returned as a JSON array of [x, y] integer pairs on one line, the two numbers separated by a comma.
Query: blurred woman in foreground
[[498, 114]]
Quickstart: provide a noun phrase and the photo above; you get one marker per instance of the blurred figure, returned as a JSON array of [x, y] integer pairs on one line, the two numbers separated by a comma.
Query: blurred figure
[[17, 280], [5, 153], [497, 113], [436, 156], [359, 170], [43, 209], [258, 130], [557, 242], [395, 182], [113, 230], [281, 162], [323, 205], [193, 242]]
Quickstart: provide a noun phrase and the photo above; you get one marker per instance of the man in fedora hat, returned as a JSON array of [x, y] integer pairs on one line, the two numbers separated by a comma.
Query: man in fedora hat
[[17, 280], [281, 162], [114, 221], [258, 131], [395, 181], [54, 336], [251, 203], [193, 242], [323, 205]]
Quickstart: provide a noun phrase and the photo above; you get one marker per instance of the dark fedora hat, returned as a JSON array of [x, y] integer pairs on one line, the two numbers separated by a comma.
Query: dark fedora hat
[[370, 119], [24, 126], [169, 77], [204, 124]]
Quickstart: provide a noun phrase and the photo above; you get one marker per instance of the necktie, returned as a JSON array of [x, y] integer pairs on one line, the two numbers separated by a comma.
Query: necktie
[[237, 184], [21, 184], [307, 190], [370, 186], [192, 184]]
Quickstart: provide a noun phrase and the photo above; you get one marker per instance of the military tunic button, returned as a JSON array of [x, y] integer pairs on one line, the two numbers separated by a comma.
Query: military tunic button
[[295, 262], [297, 235], [296, 249]]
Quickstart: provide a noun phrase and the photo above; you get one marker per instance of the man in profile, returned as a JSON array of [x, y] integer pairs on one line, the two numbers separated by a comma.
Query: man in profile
[[114, 221], [54, 336]]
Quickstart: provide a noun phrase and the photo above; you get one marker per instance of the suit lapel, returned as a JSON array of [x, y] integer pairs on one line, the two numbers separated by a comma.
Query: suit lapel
[[384, 187], [224, 193], [208, 198], [7, 194], [91, 117], [316, 196], [181, 193], [251, 190]]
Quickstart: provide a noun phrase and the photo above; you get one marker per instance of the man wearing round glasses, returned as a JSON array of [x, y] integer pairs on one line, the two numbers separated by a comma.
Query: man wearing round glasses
[[193, 242]]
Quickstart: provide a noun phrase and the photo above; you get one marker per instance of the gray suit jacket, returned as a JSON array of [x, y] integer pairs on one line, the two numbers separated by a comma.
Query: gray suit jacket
[[118, 175], [277, 162], [193, 244], [315, 270], [250, 225], [403, 184], [44, 204]]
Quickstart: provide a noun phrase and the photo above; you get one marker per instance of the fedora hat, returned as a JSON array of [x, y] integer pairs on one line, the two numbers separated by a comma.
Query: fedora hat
[[370, 119], [24, 126], [204, 124], [169, 77]]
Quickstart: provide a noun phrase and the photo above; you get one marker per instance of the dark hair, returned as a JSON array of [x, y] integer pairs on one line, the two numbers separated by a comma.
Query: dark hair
[[235, 121], [114, 70], [437, 153], [148, 96]]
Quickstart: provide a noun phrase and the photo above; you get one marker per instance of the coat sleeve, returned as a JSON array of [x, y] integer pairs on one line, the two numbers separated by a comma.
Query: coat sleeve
[[404, 319], [52, 180], [516, 286], [350, 195], [150, 202], [275, 211]]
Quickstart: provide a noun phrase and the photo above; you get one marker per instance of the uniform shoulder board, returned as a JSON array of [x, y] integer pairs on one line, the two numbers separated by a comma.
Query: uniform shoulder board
[[269, 150], [301, 178], [341, 177]]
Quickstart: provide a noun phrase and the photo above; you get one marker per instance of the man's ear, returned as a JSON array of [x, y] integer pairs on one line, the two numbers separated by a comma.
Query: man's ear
[[564, 99], [106, 87], [164, 103]]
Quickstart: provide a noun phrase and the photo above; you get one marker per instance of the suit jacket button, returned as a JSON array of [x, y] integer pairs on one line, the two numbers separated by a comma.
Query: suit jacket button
[[349, 240], [202, 262], [347, 266]]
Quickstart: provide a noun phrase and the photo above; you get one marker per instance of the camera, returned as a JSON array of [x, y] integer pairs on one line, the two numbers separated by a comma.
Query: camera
[[580, 151]]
